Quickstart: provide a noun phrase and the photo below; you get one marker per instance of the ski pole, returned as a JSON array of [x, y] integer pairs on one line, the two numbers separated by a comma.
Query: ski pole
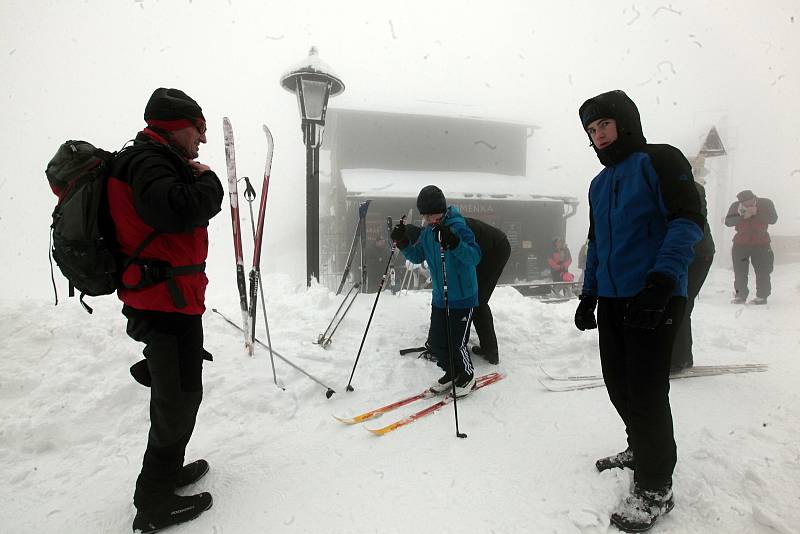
[[250, 195], [329, 391], [449, 340], [362, 214], [374, 304], [324, 338]]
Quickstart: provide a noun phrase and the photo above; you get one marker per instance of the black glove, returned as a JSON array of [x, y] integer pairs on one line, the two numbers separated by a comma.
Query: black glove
[[399, 235], [584, 315], [449, 239], [646, 309]]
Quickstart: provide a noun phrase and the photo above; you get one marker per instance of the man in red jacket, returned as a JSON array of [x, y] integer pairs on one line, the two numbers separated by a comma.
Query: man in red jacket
[[161, 201], [751, 216]]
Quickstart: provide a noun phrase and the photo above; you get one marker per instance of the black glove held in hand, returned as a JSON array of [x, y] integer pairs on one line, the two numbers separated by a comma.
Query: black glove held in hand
[[584, 315], [449, 239], [646, 309], [399, 236]]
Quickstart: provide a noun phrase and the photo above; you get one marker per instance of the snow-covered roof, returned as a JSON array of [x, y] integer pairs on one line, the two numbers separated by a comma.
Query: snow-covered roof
[[461, 185], [429, 108]]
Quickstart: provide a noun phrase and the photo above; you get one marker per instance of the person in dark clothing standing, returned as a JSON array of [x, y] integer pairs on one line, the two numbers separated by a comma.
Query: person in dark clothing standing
[[161, 201], [644, 219], [495, 251], [446, 229], [682, 356], [751, 216]]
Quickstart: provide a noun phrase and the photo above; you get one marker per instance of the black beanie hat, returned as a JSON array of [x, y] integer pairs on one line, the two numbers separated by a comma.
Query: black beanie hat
[[431, 200], [171, 104]]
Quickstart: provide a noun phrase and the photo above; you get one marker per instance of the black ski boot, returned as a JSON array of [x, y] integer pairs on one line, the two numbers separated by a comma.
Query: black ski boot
[[191, 473], [620, 460], [490, 356], [170, 511], [640, 510]]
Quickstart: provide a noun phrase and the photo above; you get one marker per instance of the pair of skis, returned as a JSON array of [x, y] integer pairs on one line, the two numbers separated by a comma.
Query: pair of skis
[[559, 383], [480, 382], [249, 305]]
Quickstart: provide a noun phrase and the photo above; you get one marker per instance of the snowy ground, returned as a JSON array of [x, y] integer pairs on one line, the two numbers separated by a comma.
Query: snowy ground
[[73, 423]]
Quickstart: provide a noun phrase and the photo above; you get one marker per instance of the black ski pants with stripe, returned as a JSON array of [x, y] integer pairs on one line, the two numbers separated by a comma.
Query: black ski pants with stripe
[[174, 353], [460, 319], [635, 366]]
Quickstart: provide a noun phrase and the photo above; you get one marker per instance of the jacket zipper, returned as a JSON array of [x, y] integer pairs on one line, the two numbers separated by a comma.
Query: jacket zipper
[[612, 204]]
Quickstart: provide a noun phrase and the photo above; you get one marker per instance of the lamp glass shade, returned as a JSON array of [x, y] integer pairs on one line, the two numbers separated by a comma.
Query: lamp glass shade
[[314, 96]]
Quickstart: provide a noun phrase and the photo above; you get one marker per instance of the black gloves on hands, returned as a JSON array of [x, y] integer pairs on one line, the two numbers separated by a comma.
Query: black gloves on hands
[[449, 239], [646, 309], [399, 235], [584, 315]]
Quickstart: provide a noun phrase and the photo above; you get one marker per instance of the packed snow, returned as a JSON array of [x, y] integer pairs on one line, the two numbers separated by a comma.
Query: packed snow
[[73, 423]]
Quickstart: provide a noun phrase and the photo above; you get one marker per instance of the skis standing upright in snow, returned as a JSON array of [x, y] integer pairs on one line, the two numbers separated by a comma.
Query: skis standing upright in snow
[[233, 197], [255, 272]]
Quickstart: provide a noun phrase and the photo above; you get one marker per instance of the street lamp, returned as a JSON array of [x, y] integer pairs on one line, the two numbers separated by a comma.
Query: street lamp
[[313, 81]]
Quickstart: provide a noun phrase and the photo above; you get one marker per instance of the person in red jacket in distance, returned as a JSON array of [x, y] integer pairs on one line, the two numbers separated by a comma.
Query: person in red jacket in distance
[[751, 216]]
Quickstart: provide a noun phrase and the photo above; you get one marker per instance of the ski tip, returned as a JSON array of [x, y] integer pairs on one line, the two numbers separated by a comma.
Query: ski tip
[[346, 420], [380, 431]]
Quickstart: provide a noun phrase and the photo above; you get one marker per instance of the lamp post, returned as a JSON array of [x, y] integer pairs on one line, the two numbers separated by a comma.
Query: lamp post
[[313, 81]]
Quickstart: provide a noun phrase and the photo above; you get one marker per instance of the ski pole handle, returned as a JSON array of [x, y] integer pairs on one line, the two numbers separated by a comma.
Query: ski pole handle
[[249, 191]]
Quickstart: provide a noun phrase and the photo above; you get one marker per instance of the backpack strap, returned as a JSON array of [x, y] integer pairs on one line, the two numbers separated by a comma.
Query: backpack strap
[[147, 240], [125, 265], [157, 271]]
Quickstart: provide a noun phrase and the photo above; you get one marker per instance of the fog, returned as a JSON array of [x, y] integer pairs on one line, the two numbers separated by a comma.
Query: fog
[[84, 70]]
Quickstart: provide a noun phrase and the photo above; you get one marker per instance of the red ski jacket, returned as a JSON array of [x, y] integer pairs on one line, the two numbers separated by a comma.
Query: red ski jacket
[[752, 231], [158, 205]]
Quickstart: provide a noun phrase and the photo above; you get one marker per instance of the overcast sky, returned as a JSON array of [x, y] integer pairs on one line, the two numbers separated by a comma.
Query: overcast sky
[[85, 70]]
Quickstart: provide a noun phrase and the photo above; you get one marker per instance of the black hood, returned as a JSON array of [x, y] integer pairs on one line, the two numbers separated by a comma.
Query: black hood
[[618, 106]]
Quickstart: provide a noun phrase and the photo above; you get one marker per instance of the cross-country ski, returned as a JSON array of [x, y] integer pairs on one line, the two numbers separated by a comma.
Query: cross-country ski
[[578, 382], [481, 382]]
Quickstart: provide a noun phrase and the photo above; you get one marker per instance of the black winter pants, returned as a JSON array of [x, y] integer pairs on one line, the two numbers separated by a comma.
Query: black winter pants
[[459, 336], [763, 261], [635, 366], [682, 350], [488, 272], [174, 353]]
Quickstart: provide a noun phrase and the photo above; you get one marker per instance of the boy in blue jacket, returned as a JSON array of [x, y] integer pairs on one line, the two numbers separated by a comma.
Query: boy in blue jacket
[[644, 219], [445, 228]]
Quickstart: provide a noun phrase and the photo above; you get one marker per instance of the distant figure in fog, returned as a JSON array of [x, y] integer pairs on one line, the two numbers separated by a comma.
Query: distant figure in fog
[[751, 216], [559, 261]]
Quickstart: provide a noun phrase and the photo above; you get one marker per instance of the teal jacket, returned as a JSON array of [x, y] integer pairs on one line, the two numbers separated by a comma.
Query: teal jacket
[[462, 284]]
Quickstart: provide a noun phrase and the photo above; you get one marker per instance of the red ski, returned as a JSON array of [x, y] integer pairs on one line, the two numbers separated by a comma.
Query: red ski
[[233, 196], [480, 382]]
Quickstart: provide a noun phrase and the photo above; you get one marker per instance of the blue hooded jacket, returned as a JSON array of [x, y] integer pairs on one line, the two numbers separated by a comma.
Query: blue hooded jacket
[[644, 210], [462, 283]]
